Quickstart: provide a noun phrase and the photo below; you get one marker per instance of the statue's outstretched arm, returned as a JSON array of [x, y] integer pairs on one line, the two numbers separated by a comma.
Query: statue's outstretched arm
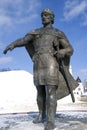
[[18, 43]]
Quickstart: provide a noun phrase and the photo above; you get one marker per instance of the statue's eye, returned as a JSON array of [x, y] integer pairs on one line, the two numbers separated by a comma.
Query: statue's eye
[[45, 15]]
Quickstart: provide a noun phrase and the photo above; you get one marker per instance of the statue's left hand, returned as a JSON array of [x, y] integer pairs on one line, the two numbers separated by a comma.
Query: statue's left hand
[[61, 54]]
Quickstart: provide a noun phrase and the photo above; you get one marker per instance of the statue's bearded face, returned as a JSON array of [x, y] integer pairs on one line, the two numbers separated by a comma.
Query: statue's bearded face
[[46, 18]]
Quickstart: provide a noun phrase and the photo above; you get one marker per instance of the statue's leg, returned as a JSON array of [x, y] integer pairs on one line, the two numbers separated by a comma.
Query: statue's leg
[[51, 102], [41, 102]]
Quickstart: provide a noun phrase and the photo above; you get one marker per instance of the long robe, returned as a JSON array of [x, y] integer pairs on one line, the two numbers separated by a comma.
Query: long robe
[[62, 89]]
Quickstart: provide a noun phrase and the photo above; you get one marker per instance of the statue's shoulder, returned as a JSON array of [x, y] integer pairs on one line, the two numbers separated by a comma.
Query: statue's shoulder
[[35, 31], [52, 31], [59, 33]]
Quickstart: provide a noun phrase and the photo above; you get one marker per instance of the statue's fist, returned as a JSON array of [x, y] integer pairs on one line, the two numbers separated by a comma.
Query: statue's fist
[[61, 54], [10, 47], [5, 51]]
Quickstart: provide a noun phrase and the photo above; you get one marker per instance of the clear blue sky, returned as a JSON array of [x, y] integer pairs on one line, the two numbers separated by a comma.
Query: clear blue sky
[[21, 16]]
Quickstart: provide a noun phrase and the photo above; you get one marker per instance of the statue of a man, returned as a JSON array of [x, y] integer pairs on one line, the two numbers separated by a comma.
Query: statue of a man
[[46, 46]]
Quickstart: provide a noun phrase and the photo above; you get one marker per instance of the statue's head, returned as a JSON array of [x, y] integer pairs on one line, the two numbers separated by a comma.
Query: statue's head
[[47, 14]]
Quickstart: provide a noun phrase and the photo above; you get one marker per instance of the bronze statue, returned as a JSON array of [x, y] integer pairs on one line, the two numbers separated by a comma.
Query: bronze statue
[[50, 52]]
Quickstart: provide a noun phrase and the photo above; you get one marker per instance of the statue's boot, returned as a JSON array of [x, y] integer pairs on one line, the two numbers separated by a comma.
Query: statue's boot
[[41, 102], [51, 107], [40, 118], [50, 126]]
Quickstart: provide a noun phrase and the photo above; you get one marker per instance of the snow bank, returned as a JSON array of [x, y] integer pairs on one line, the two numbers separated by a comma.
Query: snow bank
[[16, 90]]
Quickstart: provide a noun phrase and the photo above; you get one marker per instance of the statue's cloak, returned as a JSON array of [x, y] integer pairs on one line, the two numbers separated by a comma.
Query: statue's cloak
[[62, 89]]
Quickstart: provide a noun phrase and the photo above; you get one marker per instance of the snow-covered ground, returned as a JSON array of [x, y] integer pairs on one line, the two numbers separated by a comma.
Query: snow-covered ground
[[18, 93], [63, 121], [17, 90]]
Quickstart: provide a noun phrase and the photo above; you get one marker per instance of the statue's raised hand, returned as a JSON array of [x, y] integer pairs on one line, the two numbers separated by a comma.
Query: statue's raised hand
[[9, 47]]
